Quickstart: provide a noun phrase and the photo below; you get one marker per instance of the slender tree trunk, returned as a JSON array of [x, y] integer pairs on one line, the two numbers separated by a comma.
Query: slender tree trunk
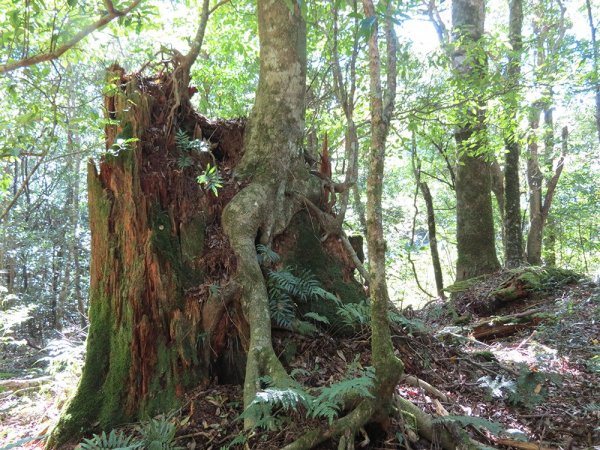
[[388, 368], [475, 224], [433, 247], [513, 242], [595, 62], [535, 179]]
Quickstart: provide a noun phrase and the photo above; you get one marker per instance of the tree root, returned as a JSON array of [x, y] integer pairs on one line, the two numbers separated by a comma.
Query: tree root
[[431, 390]]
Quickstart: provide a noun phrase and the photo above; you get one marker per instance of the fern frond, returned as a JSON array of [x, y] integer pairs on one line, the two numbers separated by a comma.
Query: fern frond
[[305, 328], [287, 399], [326, 410], [282, 308], [337, 392], [265, 254], [113, 440], [159, 435], [317, 317], [412, 325], [182, 140]]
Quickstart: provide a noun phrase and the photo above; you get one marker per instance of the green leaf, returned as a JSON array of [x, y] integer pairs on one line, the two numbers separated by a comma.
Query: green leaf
[[367, 27]]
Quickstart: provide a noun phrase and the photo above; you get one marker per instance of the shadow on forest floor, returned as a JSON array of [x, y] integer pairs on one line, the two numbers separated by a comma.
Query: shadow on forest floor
[[531, 382]]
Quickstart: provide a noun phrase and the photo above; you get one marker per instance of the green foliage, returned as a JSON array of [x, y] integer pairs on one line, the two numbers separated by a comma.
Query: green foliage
[[211, 179], [159, 435], [266, 255], [285, 289], [237, 441], [354, 314], [412, 325], [12, 316], [114, 440], [268, 409], [67, 353]]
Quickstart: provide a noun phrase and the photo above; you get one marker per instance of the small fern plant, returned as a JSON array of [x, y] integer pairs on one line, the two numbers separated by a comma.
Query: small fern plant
[[159, 435], [286, 289], [268, 409], [113, 440], [185, 145]]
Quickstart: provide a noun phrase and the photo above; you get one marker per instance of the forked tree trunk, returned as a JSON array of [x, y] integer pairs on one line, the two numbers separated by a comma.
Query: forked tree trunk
[[171, 292]]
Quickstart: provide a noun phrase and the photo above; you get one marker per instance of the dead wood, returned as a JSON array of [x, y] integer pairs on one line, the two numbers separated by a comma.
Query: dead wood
[[522, 445], [508, 325], [17, 383]]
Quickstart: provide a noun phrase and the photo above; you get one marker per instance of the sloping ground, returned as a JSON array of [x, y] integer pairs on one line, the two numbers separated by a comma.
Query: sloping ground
[[538, 387]]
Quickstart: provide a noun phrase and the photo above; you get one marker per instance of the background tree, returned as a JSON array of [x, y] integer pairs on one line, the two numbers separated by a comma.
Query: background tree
[[474, 220]]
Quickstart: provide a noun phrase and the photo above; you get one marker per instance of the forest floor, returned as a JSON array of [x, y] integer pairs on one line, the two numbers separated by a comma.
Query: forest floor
[[536, 388]]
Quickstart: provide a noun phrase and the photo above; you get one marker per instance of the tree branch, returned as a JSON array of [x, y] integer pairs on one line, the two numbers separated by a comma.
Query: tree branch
[[57, 52]]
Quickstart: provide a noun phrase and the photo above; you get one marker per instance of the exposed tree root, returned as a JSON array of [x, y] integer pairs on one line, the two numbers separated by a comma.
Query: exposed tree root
[[431, 390]]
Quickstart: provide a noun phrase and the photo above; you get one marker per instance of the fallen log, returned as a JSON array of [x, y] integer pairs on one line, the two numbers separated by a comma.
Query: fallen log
[[18, 383], [498, 327]]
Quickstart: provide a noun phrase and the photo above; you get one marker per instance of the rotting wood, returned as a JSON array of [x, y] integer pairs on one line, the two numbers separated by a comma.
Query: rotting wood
[[502, 326]]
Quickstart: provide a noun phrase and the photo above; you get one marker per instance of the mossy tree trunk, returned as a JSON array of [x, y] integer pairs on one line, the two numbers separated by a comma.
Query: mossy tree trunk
[[475, 223]]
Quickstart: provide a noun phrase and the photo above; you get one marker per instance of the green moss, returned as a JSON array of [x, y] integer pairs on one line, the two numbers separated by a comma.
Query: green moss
[[464, 285], [308, 253], [545, 278], [162, 390], [192, 238], [167, 246]]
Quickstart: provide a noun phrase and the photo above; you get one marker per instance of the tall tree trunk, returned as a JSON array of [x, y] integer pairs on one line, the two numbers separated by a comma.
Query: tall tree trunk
[[475, 224], [595, 62], [535, 179], [272, 153], [513, 242]]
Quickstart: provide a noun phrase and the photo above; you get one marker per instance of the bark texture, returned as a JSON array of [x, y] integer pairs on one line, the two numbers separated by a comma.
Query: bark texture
[[513, 242], [475, 224]]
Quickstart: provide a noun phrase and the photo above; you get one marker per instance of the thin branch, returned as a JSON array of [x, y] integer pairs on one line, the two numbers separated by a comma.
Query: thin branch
[[22, 189], [58, 51]]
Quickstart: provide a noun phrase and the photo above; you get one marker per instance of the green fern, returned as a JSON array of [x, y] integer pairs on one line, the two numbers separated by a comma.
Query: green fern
[[305, 328], [497, 385], [185, 161], [266, 255], [317, 317], [412, 325], [530, 389], [159, 435], [353, 314], [331, 400], [210, 179], [282, 309], [182, 140], [237, 441], [265, 411], [114, 440]]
